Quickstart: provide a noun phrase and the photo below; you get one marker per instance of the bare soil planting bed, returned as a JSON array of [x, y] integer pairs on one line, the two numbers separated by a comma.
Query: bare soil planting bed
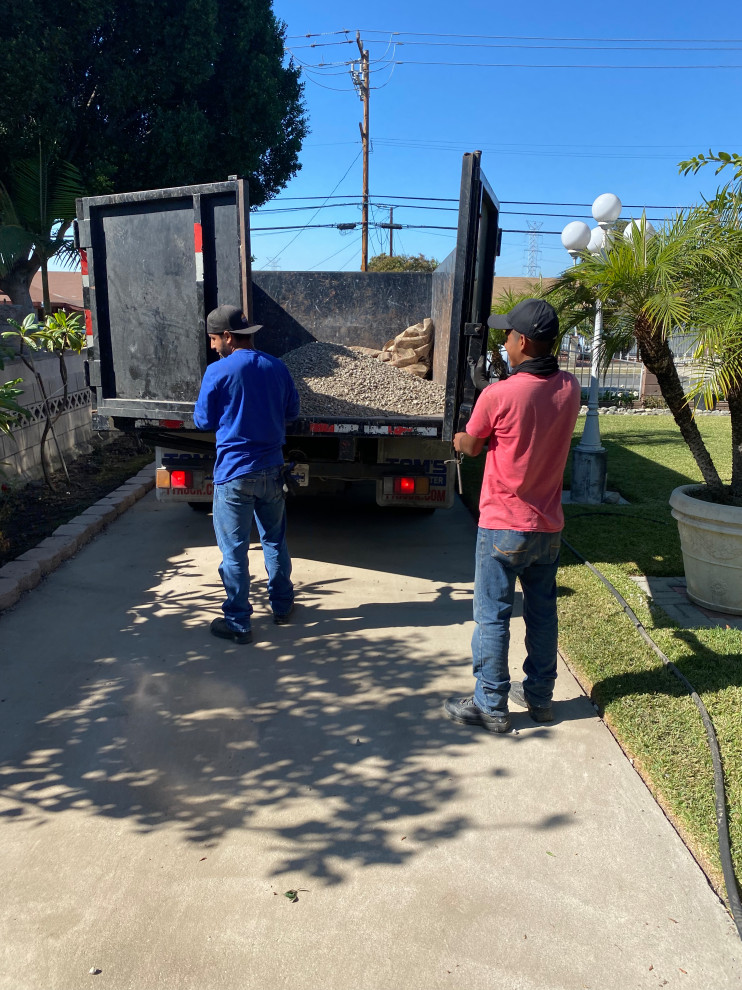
[[31, 512]]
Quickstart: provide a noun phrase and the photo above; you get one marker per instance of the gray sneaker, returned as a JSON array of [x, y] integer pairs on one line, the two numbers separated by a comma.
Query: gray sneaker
[[539, 713], [464, 710]]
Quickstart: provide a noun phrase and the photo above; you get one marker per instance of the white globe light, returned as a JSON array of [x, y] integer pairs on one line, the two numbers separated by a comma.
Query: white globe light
[[607, 208], [576, 236], [597, 240], [649, 230]]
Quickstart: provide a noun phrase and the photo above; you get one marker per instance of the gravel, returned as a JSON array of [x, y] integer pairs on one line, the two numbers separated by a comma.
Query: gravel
[[333, 380]]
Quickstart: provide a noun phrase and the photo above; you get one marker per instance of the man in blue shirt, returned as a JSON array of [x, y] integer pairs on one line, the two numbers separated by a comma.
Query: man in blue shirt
[[247, 398]]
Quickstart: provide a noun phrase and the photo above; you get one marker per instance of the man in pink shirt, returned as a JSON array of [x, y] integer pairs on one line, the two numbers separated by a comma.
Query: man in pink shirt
[[527, 420]]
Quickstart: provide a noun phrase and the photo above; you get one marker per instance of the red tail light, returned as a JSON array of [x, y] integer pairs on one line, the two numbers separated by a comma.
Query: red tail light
[[181, 479]]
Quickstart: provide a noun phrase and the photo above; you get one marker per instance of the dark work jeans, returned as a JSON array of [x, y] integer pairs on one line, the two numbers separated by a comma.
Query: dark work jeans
[[502, 556], [235, 502]]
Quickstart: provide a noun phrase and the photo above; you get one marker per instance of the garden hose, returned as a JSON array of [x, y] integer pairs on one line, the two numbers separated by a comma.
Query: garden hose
[[722, 821]]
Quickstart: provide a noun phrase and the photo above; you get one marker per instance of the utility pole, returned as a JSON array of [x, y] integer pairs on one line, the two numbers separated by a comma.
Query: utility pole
[[391, 227], [363, 88]]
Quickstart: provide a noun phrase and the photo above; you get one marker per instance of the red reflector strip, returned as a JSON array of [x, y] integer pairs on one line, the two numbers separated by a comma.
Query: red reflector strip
[[170, 424], [322, 427], [198, 243], [181, 479], [83, 261], [88, 323]]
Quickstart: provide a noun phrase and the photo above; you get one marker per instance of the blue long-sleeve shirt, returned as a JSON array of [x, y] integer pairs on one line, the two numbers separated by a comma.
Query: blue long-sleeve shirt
[[246, 398]]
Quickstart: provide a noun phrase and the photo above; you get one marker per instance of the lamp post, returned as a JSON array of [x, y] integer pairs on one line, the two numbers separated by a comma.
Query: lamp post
[[588, 457]]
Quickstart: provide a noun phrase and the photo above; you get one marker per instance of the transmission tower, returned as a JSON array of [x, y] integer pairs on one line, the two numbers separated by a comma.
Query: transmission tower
[[532, 264]]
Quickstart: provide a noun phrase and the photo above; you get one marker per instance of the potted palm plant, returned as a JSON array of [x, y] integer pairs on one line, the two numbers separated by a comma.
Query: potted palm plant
[[688, 277]]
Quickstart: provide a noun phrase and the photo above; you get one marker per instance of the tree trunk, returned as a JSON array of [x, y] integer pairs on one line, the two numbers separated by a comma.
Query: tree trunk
[[45, 288], [734, 398], [17, 286], [657, 357]]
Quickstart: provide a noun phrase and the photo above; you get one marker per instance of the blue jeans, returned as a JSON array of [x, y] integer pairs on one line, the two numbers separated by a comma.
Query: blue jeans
[[502, 556], [235, 502]]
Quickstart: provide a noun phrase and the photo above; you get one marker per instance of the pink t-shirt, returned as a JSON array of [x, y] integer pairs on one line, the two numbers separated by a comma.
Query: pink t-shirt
[[529, 422]]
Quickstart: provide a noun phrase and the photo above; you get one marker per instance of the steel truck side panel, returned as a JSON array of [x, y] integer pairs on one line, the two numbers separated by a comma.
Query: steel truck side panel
[[159, 260]]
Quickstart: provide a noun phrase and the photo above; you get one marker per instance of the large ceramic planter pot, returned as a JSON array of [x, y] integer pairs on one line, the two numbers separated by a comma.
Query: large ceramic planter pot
[[711, 541]]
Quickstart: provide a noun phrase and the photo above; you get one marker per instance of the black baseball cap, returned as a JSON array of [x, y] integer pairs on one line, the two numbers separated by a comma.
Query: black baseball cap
[[533, 318], [230, 318]]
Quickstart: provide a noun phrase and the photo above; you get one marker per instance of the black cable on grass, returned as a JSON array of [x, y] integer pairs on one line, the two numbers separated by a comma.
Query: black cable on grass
[[722, 822]]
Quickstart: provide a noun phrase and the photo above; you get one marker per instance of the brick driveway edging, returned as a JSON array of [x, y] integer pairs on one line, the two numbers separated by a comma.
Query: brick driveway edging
[[26, 571]]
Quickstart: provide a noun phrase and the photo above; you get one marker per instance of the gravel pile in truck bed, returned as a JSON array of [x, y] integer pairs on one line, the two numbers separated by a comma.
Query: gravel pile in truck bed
[[333, 380]]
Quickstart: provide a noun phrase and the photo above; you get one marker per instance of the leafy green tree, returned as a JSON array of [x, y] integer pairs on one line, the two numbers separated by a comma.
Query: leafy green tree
[[720, 158], [402, 263], [139, 95]]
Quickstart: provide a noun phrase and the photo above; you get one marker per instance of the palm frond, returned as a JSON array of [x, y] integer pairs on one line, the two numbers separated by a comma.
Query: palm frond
[[40, 195]]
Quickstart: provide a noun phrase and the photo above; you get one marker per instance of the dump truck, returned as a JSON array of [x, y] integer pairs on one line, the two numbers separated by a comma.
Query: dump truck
[[156, 262]]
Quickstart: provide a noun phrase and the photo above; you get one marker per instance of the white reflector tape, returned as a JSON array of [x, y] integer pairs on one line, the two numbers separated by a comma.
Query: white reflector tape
[[401, 431]]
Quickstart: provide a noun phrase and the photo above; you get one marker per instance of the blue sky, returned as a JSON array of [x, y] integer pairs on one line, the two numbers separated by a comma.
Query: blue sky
[[548, 135]]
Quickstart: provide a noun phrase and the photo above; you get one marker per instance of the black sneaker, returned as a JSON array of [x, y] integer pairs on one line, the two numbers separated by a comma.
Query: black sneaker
[[222, 629], [464, 710], [283, 618], [539, 713]]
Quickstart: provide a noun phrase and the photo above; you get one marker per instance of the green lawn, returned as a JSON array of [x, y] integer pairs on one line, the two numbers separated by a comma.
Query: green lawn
[[646, 707]]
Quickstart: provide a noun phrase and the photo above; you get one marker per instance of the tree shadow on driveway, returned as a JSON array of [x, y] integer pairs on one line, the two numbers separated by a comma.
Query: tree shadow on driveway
[[319, 742]]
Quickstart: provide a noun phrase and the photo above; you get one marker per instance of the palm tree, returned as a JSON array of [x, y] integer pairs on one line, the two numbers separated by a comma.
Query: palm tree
[[719, 347], [683, 277], [37, 207]]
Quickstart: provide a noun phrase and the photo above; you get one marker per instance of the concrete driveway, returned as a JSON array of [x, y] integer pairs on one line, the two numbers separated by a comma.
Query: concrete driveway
[[161, 790]]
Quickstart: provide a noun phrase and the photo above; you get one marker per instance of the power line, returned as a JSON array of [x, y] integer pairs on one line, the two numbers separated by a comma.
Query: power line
[[558, 48], [518, 37], [450, 199], [545, 65], [436, 199], [277, 256], [447, 209], [532, 151], [345, 247], [537, 202], [404, 226]]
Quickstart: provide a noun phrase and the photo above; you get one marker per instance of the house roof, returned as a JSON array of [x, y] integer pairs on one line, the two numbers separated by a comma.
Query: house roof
[[65, 289], [518, 284]]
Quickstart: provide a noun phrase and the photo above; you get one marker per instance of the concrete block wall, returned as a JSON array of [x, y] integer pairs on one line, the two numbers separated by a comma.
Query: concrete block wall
[[20, 453]]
